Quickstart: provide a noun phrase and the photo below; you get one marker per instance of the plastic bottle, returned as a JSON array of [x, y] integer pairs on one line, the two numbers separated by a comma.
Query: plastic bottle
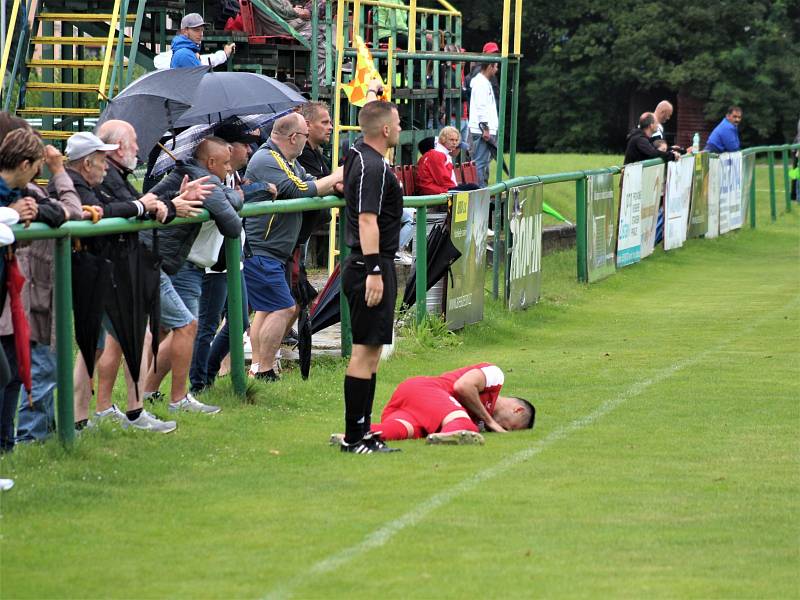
[[696, 142]]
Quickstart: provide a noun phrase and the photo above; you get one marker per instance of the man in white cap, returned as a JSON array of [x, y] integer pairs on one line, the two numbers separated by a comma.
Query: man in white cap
[[87, 166], [186, 45]]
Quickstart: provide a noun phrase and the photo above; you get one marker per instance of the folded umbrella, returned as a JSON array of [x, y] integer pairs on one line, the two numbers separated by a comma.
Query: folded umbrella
[[493, 152], [325, 311], [135, 275], [441, 256], [153, 103], [91, 281], [19, 321]]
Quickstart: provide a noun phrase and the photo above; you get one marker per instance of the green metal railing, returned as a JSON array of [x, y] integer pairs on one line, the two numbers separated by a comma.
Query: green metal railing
[[81, 229]]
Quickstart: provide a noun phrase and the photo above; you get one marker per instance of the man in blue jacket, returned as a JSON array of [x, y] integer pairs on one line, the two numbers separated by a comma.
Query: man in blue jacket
[[186, 45], [725, 137]]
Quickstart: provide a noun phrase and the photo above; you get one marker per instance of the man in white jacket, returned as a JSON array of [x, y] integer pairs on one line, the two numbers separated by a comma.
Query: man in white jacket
[[483, 120]]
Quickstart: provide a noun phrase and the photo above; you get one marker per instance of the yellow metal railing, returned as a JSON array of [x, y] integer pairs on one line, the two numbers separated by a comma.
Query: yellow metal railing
[[9, 38], [112, 33]]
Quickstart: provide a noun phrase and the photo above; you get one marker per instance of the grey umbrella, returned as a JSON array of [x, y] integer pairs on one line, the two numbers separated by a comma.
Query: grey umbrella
[[186, 141], [232, 94], [153, 103]]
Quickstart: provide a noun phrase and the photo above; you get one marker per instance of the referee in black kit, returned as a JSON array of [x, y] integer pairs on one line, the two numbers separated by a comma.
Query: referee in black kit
[[374, 207]]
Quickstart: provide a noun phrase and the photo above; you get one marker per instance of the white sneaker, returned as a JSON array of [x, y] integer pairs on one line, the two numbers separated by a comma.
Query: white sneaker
[[149, 422], [6, 484], [112, 413], [401, 257], [191, 404]]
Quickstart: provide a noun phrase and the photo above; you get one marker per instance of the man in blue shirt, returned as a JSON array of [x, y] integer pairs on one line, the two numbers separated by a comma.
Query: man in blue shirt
[[725, 137]]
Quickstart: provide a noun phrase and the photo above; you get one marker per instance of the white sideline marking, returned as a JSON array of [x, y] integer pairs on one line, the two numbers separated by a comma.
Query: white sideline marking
[[381, 536]]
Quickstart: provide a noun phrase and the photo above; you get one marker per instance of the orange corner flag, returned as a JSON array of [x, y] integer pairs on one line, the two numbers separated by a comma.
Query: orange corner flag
[[356, 90]]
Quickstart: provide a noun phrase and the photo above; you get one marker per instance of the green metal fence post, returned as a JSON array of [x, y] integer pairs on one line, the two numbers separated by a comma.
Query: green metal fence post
[[65, 413], [580, 228], [496, 244], [773, 208], [787, 186], [344, 308], [421, 264], [233, 253], [498, 204], [753, 198]]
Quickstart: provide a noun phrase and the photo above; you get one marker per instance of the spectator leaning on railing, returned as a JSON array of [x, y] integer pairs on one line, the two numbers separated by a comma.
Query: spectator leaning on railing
[[272, 238], [181, 279], [725, 136], [21, 158], [36, 418], [639, 145]]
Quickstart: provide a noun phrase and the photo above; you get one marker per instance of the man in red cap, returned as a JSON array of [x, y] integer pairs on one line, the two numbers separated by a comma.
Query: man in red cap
[[483, 119]]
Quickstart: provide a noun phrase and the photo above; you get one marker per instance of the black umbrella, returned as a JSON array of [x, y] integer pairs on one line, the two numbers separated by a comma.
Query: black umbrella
[[153, 103], [133, 298], [5, 369], [304, 293], [325, 311], [226, 94], [91, 281], [493, 152], [441, 256]]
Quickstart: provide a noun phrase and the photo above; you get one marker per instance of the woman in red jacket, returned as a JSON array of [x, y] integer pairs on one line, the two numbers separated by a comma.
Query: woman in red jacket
[[435, 169]]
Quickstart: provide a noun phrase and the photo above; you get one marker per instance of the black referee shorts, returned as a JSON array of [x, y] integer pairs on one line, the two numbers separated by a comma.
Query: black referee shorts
[[371, 326]]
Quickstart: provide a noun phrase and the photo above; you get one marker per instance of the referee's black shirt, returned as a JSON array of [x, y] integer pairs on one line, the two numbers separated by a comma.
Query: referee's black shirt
[[371, 187]]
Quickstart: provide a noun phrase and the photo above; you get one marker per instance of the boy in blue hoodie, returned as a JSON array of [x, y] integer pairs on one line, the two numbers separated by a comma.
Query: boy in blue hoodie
[[186, 45]]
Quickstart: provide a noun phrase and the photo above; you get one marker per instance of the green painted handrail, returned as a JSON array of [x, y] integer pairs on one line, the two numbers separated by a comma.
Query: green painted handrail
[[81, 229]]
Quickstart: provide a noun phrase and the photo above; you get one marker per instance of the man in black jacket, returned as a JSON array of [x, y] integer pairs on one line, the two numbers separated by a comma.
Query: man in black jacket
[[639, 145], [315, 163], [181, 280], [115, 185]]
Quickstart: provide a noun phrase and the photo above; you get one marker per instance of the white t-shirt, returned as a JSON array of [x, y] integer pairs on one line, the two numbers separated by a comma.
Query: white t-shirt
[[482, 106]]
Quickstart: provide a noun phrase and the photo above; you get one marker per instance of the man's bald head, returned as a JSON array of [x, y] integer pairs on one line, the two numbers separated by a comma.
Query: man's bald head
[[290, 134], [119, 132], [663, 112], [215, 155], [647, 123], [288, 124]]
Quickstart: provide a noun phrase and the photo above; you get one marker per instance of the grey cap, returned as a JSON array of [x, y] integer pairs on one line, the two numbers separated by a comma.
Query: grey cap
[[85, 143], [192, 20]]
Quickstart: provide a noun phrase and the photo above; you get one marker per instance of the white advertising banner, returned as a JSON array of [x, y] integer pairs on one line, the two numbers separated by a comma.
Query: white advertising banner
[[730, 192], [677, 201], [629, 236], [713, 198], [652, 190]]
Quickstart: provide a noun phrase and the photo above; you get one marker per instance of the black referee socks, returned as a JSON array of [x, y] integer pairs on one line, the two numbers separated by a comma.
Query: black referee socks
[[356, 400], [368, 408]]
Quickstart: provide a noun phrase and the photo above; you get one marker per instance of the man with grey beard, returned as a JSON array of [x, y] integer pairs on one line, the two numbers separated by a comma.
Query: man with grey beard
[[120, 165]]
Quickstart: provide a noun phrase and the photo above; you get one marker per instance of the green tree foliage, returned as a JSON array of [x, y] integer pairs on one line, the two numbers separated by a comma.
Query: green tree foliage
[[584, 59]]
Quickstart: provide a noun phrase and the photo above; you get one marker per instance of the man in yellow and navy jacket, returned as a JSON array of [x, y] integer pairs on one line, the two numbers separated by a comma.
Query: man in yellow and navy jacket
[[271, 238]]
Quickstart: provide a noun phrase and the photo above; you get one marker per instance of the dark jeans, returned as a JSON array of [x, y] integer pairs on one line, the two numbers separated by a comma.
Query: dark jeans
[[208, 349], [9, 397]]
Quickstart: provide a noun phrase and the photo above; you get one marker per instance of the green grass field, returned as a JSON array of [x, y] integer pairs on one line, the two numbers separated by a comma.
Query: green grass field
[[665, 461]]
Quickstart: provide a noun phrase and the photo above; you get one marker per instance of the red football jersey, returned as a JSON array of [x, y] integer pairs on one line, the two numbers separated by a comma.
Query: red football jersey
[[494, 382]]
